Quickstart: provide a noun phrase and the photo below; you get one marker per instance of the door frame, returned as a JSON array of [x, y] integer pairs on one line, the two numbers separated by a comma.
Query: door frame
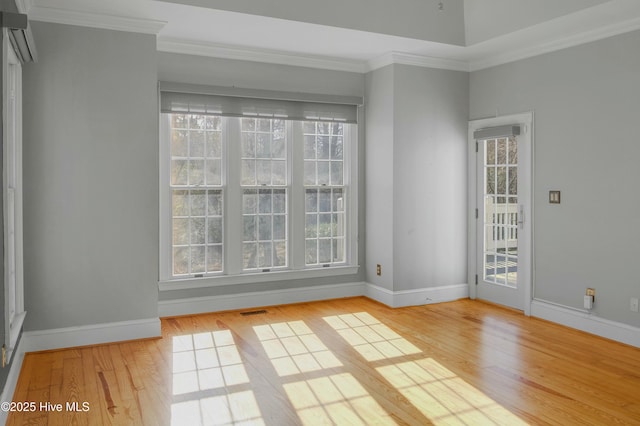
[[526, 252]]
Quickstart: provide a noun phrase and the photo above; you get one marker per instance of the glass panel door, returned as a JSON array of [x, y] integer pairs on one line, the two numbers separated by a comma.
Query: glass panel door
[[500, 251]]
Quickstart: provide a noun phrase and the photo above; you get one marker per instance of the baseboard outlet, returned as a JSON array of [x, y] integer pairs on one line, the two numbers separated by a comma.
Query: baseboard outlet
[[198, 305], [94, 334], [421, 296], [587, 322], [12, 378]]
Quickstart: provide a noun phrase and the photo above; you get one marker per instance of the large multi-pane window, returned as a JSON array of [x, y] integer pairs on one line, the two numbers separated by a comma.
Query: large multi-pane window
[[262, 188], [324, 192], [196, 194], [264, 193]]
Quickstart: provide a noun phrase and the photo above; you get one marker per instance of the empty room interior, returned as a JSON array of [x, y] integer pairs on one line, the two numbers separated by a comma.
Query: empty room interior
[[296, 212]]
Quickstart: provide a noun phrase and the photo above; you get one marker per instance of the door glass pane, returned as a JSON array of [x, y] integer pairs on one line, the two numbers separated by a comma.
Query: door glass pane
[[500, 212]]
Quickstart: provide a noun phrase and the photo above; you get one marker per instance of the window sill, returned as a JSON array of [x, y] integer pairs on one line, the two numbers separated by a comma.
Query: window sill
[[249, 278]]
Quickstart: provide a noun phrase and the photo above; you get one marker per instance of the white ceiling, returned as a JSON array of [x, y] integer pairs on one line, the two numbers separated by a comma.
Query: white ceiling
[[497, 31]]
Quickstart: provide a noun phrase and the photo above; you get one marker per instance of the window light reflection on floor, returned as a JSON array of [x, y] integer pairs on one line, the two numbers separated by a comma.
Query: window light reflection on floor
[[210, 382], [232, 409], [206, 361], [293, 348], [442, 396], [371, 338], [336, 399]]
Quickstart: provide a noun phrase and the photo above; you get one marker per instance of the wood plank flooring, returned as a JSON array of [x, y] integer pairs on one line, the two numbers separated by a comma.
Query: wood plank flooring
[[346, 362]]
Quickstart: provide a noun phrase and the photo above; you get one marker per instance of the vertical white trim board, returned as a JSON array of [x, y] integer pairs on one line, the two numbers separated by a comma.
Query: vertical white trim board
[[584, 321], [198, 305], [415, 297], [94, 334], [12, 378]]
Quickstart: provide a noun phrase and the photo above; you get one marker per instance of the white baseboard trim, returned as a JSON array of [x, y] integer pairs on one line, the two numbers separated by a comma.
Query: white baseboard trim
[[421, 296], [198, 305], [587, 322], [94, 334], [12, 378]]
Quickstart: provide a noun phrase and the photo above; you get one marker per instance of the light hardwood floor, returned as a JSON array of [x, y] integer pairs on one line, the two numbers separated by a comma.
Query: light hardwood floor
[[348, 361]]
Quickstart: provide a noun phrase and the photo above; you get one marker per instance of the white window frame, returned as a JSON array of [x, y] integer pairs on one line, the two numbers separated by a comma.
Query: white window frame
[[14, 313], [232, 247]]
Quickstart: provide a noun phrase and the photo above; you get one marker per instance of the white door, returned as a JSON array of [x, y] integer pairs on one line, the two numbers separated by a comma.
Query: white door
[[501, 194]]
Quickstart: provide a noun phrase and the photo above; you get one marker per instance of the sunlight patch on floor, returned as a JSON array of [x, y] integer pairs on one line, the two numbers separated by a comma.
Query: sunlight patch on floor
[[336, 399], [232, 409], [293, 348], [371, 338], [206, 361], [210, 382], [442, 396]]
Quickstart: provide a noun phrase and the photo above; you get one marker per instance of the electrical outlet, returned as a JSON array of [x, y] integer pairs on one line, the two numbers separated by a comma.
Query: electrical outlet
[[378, 270], [633, 304]]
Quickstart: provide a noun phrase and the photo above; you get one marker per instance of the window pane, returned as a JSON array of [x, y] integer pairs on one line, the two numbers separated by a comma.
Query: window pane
[[310, 173], [250, 228], [279, 201], [198, 203], [250, 254], [280, 253], [311, 252], [197, 259], [181, 260], [179, 143], [336, 147], [180, 231], [214, 235], [264, 227], [179, 172], [279, 227], [214, 172], [214, 258], [196, 172], [309, 147], [180, 202], [250, 201], [196, 143], [336, 173], [323, 173], [215, 203], [197, 230], [324, 251], [264, 255]]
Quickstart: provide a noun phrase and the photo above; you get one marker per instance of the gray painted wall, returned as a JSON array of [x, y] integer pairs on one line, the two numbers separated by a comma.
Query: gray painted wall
[[416, 176], [586, 101], [417, 19], [379, 124], [90, 177], [245, 74], [430, 177]]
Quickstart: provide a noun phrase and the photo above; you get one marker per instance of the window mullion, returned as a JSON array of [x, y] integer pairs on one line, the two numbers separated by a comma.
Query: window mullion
[[233, 198], [297, 217]]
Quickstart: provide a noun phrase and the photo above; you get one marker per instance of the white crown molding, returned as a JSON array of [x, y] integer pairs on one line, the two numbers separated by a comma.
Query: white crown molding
[[416, 60], [518, 54], [189, 47], [24, 5], [94, 20]]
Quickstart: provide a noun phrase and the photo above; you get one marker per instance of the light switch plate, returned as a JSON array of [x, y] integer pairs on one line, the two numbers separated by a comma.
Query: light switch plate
[[554, 197]]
